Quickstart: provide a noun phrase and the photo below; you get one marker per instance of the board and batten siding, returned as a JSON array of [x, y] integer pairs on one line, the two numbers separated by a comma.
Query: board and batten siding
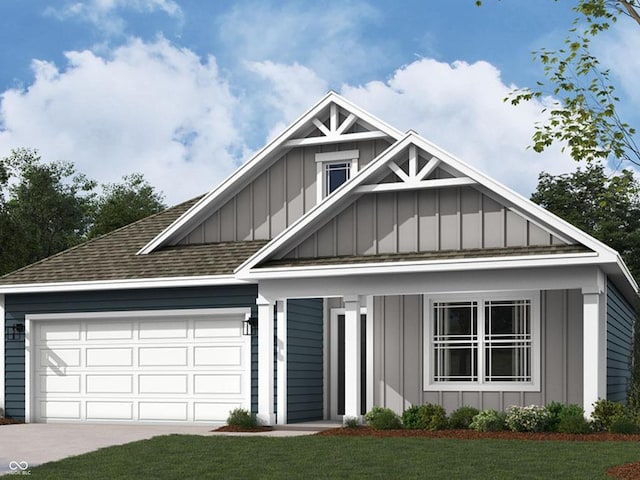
[[620, 320], [19, 305], [399, 358], [305, 361], [454, 218], [276, 198]]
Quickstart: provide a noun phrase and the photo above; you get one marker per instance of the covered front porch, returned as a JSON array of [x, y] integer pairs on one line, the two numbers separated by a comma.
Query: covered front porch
[[378, 347]]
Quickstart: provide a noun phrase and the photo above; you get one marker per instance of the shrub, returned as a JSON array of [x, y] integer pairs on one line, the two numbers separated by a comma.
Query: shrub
[[241, 417], [488, 421], [532, 418], [558, 411], [605, 413], [350, 422], [573, 422], [380, 418], [623, 424], [425, 417], [462, 417]]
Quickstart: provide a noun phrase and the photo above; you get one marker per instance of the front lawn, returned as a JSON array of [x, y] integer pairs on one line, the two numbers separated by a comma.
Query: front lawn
[[185, 456]]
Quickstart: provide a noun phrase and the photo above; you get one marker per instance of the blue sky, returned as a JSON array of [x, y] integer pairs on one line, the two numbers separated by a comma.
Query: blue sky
[[185, 90]]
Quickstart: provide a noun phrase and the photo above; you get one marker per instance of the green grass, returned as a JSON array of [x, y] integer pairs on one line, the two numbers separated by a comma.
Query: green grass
[[184, 456]]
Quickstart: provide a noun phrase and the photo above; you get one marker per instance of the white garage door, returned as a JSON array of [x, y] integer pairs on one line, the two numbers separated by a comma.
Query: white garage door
[[156, 369]]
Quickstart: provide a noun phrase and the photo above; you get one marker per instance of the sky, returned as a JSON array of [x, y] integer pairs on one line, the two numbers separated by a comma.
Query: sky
[[185, 91]]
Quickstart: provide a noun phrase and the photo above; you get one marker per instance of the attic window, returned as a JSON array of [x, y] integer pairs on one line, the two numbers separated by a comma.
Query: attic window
[[334, 169]]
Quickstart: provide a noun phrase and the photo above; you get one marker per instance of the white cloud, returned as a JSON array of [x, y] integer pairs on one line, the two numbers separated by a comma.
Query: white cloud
[[105, 14], [328, 37], [149, 107], [460, 108]]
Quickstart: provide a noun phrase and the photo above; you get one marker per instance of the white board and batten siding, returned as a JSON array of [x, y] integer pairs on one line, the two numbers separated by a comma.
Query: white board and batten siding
[[156, 368]]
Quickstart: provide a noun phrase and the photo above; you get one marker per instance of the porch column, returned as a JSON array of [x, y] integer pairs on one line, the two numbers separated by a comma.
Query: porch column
[[594, 350], [281, 387], [265, 361], [352, 357]]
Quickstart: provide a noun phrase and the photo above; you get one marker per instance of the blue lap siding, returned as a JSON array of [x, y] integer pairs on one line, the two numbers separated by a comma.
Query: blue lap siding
[[16, 306], [620, 319], [305, 378]]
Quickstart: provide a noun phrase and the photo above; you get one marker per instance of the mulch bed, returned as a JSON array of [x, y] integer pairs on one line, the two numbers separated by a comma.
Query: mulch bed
[[630, 471], [9, 421], [236, 428]]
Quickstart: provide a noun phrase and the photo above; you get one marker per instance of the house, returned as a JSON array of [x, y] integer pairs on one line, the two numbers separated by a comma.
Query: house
[[346, 265]]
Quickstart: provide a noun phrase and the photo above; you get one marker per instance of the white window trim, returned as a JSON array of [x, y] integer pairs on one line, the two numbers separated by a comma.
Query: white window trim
[[324, 158], [481, 298]]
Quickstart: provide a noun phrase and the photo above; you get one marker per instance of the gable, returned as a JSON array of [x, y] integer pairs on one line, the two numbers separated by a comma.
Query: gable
[[276, 187]]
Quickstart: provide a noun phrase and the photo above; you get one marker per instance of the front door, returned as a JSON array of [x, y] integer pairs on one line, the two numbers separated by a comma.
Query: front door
[[338, 363]]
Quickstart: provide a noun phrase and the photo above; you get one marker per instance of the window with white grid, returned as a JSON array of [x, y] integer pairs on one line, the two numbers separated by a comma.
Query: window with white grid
[[482, 343]]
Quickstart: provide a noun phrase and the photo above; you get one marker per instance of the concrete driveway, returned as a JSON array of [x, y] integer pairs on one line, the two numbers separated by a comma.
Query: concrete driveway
[[27, 445]]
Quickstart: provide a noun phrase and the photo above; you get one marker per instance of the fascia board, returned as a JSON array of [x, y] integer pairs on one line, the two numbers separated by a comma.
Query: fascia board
[[328, 204], [100, 285], [258, 158], [431, 266]]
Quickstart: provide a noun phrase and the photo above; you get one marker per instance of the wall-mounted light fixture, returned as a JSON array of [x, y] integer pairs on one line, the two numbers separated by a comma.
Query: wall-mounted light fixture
[[249, 324], [14, 332]]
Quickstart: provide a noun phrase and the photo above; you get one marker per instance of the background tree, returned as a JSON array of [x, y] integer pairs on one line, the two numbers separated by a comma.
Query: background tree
[[45, 208], [586, 118], [606, 207], [123, 203]]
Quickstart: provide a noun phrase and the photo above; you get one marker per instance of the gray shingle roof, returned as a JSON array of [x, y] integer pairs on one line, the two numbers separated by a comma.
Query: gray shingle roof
[[424, 256], [113, 256]]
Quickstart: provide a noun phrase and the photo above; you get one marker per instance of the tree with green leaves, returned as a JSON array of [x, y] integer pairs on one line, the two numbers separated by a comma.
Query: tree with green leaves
[[605, 206], [44, 208], [585, 118], [48, 207], [123, 203]]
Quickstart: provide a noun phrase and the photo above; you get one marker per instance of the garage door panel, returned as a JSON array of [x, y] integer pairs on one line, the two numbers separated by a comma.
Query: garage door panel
[[166, 384], [109, 410], [163, 411], [168, 330], [109, 383], [193, 368], [60, 409], [60, 332], [109, 357], [162, 356], [221, 384], [60, 383], [217, 329], [110, 331], [213, 411], [59, 358], [218, 356]]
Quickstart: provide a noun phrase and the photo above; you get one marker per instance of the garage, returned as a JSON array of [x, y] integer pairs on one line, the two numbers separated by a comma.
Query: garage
[[179, 366]]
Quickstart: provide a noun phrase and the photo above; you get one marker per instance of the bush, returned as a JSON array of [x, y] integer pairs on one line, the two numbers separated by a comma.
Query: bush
[[350, 422], [241, 417], [425, 417], [382, 419], [462, 417], [573, 422], [605, 413], [532, 418], [558, 411], [623, 425], [488, 421]]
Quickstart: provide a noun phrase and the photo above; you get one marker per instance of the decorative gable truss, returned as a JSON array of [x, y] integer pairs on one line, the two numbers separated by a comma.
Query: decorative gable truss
[[417, 203]]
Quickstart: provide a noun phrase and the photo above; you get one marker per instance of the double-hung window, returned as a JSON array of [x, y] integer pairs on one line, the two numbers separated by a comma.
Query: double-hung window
[[482, 343]]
